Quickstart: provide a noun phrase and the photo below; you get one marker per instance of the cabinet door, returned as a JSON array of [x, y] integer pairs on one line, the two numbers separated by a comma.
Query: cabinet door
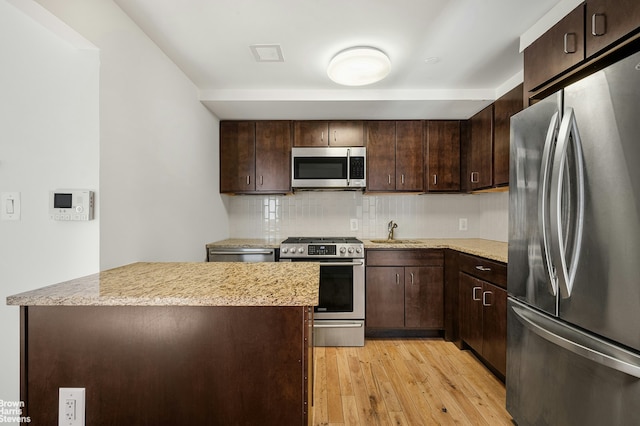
[[442, 156], [311, 133], [494, 319], [385, 297], [481, 150], [409, 156], [346, 133], [557, 50], [608, 21], [424, 297], [471, 311], [273, 152], [504, 107], [237, 156], [381, 155]]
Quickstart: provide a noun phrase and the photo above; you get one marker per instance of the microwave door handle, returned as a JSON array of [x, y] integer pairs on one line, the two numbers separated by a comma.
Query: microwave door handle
[[348, 166]]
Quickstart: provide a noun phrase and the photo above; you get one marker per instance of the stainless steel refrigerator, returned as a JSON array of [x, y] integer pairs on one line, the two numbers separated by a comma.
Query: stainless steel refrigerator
[[573, 322]]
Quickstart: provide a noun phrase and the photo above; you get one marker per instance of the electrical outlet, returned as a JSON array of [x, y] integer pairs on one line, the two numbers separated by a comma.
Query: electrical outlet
[[462, 224], [354, 224], [71, 407]]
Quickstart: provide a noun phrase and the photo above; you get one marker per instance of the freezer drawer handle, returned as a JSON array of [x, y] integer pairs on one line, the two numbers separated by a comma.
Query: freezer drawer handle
[[483, 268], [542, 327]]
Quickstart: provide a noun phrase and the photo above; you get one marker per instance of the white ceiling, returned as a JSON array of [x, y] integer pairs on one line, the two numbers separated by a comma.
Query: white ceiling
[[476, 41]]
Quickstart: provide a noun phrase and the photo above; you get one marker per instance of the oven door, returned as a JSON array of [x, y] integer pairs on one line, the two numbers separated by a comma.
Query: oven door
[[341, 293]]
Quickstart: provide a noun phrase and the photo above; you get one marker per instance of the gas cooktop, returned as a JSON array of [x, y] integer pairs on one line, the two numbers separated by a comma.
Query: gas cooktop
[[321, 240]]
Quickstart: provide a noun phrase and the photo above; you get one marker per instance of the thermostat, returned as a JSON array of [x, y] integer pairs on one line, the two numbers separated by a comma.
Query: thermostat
[[71, 204]]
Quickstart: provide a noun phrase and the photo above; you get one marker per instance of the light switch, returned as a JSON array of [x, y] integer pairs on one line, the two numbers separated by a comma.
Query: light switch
[[10, 206]]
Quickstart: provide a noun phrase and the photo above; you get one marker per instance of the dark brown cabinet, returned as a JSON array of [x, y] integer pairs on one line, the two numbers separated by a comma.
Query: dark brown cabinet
[[442, 156], [480, 150], [394, 156], [483, 309], [255, 156], [557, 50], [328, 133], [404, 289], [609, 21], [504, 107]]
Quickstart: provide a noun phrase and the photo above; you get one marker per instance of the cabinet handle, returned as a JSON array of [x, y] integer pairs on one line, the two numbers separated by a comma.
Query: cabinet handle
[[402, 179], [335, 135], [261, 180], [412, 278], [389, 179], [248, 180], [475, 177], [570, 39], [483, 268], [473, 294], [484, 298], [397, 279], [435, 179], [598, 24], [321, 136]]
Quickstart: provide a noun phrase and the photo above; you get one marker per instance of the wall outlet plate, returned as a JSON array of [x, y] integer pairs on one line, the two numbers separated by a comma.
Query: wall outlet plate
[[462, 224], [71, 407], [354, 224]]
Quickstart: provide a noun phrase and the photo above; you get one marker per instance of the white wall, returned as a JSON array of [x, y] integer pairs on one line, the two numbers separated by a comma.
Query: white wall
[[330, 213], [49, 138], [159, 145]]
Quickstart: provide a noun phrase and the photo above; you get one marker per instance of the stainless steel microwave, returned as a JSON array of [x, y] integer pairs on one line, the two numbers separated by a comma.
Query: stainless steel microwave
[[328, 167]]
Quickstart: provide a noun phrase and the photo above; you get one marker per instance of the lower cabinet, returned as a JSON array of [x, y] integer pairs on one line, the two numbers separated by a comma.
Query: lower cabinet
[[483, 310], [404, 289]]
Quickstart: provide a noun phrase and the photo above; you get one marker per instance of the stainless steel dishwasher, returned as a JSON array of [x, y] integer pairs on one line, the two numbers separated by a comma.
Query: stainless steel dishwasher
[[241, 254]]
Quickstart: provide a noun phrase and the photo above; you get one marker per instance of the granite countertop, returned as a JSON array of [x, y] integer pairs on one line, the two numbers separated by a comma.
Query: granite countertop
[[489, 249], [185, 284], [246, 243]]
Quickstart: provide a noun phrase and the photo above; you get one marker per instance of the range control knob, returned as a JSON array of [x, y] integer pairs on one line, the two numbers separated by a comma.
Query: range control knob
[[301, 250], [358, 250], [343, 250], [285, 250], [350, 249]]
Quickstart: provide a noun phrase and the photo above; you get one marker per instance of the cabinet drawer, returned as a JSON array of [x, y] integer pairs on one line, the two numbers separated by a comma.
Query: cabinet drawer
[[405, 257], [485, 269]]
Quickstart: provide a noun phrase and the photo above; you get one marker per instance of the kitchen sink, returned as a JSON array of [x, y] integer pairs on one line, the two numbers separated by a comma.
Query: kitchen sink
[[395, 241]]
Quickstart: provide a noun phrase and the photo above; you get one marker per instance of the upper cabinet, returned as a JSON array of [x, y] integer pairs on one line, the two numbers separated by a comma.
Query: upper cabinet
[[608, 21], [328, 133], [442, 156], [255, 157], [503, 108], [557, 50], [480, 150], [394, 156], [579, 44]]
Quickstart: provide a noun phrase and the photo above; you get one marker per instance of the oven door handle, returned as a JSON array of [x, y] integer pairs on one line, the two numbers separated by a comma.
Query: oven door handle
[[354, 263], [354, 325]]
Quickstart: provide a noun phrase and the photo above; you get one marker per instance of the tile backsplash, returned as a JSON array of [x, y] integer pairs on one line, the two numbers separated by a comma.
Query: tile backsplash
[[330, 213]]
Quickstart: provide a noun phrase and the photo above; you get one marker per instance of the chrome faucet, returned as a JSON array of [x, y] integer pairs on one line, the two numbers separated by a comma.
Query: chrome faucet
[[390, 227]]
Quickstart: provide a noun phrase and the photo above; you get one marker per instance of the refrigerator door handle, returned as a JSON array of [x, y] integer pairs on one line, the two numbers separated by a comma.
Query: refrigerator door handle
[[566, 268], [580, 344], [543, 203]]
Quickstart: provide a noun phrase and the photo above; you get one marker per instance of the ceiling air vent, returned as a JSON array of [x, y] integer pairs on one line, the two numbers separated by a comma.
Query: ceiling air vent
[[267, 52]]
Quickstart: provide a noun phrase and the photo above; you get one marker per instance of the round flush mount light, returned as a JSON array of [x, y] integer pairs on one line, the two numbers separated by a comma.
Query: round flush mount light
[[359, 66]]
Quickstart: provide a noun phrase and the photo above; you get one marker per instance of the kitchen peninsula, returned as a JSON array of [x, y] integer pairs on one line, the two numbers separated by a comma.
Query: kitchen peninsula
[[173, 343]]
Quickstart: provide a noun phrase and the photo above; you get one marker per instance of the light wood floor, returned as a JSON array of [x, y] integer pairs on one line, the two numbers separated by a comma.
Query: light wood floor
[[405, 382]]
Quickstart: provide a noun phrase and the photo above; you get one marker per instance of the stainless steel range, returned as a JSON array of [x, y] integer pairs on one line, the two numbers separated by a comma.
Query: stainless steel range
[[339, 316]]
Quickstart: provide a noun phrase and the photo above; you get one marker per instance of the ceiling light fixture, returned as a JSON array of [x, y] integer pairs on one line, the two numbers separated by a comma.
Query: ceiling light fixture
[[359, 66]]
